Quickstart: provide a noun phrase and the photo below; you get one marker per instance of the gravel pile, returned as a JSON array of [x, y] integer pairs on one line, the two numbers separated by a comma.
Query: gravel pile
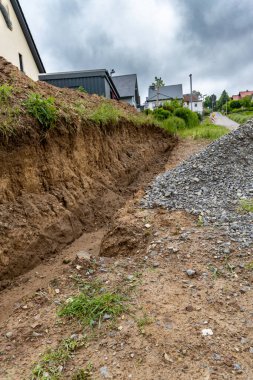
[[212, 184]]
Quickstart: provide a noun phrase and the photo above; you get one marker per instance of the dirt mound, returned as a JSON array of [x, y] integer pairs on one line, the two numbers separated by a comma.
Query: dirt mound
[[55, 185]]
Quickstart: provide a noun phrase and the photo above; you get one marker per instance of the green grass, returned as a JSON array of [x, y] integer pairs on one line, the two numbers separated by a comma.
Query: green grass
[[241, 117], [43, 110], [5, 92], [53, 361], [83, 374], [90, 309], [246, 205], [205, 130], [106, 114], [143, 322]]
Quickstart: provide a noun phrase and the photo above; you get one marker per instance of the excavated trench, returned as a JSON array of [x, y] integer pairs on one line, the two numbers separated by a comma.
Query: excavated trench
[[53, 190]]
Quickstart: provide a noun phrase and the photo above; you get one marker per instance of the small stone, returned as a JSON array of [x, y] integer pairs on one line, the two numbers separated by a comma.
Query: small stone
[[155, 265], [216, 357], [132, 355], [120, 328], [82, 255], [106, 317], [207, 332], [190, 272], [147, 225], [9, 334], [66, 261], [130, 277], [105, 372], [251, 350], [78, 267], [237, 367], [57, 291], [189, 308], [167, 358]]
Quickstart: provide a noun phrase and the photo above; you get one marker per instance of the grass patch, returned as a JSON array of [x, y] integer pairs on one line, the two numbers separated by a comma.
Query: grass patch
[[241, 117], [89, 309], [84, 374], [249, 266], [106, 114], [5, 92], [143, 322], [246, 205], [205, 130], [43, 110], [52, 362]]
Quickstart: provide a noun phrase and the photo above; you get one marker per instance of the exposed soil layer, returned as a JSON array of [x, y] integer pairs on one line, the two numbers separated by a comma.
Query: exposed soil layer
[[55, 185], [52, 191]]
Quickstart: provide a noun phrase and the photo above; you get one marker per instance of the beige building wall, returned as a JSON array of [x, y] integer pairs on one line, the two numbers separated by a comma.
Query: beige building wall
[[13, 43]]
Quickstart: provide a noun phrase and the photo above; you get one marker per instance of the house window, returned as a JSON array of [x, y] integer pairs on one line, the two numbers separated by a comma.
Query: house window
[[196, 105], [21, 64]]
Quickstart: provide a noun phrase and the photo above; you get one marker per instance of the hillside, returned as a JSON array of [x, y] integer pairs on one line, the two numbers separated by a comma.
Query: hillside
[[59, 180]]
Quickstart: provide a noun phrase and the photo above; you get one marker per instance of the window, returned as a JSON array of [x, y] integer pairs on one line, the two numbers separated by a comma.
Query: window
[[196, 104], [21, 65]]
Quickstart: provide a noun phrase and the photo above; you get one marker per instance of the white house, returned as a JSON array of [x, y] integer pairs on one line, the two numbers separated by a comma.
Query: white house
[[197, 103], [165, 94], [16, 42]]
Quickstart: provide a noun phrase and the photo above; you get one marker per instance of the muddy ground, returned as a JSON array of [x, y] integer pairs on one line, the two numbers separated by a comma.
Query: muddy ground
[[160, 335]]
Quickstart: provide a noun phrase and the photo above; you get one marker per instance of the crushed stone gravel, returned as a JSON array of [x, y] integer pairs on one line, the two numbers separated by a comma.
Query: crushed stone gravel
[[211, 185]]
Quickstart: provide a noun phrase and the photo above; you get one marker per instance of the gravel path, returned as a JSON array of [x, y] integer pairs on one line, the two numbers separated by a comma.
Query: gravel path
[[211, 184], [219, 119]]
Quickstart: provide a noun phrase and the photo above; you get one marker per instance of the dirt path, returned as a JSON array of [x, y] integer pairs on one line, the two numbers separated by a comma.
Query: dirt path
[[160, 335]]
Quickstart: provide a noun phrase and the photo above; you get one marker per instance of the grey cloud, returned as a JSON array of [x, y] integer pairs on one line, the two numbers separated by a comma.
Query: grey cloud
[[211, 39]]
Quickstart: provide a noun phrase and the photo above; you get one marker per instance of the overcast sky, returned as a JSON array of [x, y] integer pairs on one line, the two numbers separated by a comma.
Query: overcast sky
[[213, 40]]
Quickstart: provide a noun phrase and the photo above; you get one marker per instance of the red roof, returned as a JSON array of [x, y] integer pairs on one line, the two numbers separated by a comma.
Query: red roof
[[236, 97], [245, 93]]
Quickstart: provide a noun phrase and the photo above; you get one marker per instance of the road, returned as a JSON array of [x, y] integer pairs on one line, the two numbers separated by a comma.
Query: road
[[219, 119]]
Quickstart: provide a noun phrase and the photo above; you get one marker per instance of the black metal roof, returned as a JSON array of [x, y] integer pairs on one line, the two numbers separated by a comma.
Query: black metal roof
[[25, 28], [81, 74], [166, 92]]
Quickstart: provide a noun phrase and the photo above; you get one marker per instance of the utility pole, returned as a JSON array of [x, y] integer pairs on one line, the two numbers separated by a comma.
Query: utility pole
[[191, 88]]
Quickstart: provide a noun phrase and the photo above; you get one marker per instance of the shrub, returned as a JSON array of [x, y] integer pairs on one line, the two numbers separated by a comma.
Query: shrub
[[81, 89], [161, 114], [190, 118], [43, 110], [5, 92], [235, 104], [173, 124]]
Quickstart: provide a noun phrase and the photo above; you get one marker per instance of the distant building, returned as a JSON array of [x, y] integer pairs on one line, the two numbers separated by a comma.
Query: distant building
[[242, 94], [16, 42], [93, 81], [197, 103], [165, 94], [128, 90]]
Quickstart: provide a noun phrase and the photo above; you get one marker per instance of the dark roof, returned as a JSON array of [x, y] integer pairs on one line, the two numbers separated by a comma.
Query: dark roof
[[25, 28], [126, 85], [187, 98], [81, 74], [166, 92]]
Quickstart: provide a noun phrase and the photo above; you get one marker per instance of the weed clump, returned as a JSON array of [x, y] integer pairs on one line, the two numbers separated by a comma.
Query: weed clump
[[43, 110], [106, 114], [53, 361], [246, 205], [90, 309], [5, 92]]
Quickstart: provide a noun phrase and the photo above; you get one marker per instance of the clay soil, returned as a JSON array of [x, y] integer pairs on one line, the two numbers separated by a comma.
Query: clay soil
[[162, 245]]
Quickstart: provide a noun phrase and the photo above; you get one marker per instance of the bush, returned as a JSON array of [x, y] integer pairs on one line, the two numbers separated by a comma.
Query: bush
[[235, 104], [5, 92], [173, 124], [43, 110], [161, 114], [191, 118]]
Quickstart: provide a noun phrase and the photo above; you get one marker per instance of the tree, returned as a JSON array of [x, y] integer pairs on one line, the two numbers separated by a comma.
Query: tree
[[246, 101], [157, 84], [223, 99], [208, 102], [197, 94]]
